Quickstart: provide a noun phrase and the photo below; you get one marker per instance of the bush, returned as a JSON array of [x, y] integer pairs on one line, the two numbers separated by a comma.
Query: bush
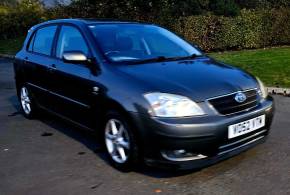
[[251, 29], [211, 30], [15, 21], [225, 7]]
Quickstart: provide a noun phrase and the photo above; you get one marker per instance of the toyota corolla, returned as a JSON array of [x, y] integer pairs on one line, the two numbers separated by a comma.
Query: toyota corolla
[[151, 96]]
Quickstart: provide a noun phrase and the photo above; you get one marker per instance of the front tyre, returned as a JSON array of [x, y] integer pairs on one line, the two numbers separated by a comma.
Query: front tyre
[[120, 142], [27, 104]]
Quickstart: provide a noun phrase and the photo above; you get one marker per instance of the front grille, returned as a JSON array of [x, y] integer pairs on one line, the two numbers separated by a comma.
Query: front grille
[[228, 105]]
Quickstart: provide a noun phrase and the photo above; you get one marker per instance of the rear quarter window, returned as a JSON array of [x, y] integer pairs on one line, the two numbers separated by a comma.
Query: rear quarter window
[[30, 43]]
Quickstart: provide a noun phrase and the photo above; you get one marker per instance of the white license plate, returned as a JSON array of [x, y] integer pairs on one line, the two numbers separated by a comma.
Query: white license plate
[[246, 126]]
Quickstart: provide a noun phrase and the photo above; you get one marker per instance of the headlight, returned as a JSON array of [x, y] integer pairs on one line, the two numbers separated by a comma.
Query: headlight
[[262, 89], [170, 105]]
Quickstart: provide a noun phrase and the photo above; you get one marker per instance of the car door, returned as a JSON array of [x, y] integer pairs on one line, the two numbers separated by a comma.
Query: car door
[[72, 84], [37, 60]]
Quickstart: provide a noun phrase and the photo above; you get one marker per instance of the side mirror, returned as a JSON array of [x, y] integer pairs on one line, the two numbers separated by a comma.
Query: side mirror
[[75, 57]]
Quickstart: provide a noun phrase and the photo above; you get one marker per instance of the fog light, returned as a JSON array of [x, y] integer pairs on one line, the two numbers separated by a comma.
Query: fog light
[[181, 155]]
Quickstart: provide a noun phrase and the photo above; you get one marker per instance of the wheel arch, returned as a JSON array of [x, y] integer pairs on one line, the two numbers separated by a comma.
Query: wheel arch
[[110, 105]]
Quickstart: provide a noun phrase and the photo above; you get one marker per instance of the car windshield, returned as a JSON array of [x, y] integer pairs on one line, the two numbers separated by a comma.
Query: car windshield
[[140, 42]]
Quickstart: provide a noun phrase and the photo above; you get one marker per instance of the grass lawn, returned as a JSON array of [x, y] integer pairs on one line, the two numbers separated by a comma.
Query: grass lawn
[[11, 46], [271, 65]]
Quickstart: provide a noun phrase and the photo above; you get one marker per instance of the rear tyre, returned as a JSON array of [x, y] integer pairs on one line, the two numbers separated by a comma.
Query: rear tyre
[[27, 104], [120, 142]]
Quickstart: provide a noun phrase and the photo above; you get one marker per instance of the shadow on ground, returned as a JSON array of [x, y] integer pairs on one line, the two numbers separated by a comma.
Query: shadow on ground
[[92, 141]]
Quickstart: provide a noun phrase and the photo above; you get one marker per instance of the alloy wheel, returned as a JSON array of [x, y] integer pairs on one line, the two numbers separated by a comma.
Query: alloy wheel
[[25, 100], [117, 141]]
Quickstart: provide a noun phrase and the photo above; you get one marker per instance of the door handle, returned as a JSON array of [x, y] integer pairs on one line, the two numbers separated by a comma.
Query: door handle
[[52, 68], [26, 61]]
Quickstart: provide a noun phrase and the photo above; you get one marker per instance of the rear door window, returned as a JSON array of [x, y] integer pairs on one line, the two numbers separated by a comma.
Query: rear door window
[[43, 40]]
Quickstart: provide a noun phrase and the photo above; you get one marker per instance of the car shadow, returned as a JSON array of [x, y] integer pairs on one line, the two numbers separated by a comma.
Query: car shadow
[[86, 137], [90, 140]]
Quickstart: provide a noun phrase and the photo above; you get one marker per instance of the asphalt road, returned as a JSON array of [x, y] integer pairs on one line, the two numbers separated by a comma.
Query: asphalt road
[[49, 156]]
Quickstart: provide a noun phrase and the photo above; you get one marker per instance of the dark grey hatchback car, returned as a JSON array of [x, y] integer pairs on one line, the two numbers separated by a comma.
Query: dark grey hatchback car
[[151, 96]]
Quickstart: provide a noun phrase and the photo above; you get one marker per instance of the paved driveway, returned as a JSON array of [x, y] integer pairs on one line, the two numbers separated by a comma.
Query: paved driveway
[[49, 156]]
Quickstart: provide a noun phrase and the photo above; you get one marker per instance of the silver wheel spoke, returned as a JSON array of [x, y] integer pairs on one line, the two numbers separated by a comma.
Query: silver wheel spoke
[[110, 137], [110, 146], [28, 107], [27, 100], [121, 151], [120, 131], [23, 92], [114, 128], [124, 144]]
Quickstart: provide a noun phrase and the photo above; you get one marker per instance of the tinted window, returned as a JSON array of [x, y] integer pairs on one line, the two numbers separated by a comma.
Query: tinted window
[[157, 43], [70, 39], [44, 39], [129, 42], [30, 47]]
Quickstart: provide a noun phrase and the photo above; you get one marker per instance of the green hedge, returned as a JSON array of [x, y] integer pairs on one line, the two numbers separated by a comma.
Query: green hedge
[[15, 21], [251, 29]]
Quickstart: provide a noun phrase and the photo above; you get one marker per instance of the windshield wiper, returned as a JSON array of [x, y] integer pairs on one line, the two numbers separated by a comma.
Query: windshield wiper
[[163, 59], [156, 59], [193, 56]]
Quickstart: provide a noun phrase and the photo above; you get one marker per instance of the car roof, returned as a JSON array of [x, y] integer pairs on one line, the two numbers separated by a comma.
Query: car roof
[[93, 20], [88, 21]]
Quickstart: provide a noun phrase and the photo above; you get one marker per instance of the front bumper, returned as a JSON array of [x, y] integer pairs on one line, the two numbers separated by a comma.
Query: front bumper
[[207, 135]]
